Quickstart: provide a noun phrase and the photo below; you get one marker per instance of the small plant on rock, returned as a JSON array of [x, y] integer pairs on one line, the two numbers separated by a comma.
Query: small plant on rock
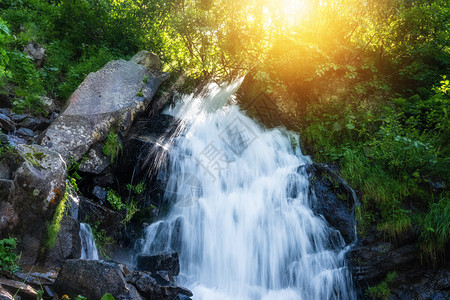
[[115, 200], [8, 259], [382, 290], [112, 147]]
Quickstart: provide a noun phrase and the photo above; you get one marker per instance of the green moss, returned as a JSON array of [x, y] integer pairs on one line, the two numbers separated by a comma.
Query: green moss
[[55, 225], [34, 157]]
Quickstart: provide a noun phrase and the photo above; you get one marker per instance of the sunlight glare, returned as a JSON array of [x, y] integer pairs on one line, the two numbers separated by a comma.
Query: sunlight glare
[[293, 8]]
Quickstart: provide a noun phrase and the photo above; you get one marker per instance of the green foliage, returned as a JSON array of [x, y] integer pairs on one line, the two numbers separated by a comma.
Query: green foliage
[[131, 209], [72, 173], [92, 60], [112, 147], [140, 94], [8, 259], [137, 189], [4, 59], [115, 200], [387, 149], [382, 290], [436, 228], [102, 240]]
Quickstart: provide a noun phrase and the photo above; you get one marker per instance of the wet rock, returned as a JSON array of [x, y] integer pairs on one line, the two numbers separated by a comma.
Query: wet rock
[[373, 263], [100, 193], [159, 262], [336, 200], [6, 124], [90, 278], [104, 180], [150, 289], [67, 246], [109, 220], [131, 294], [108, 98], [144, 154], [373, 257]]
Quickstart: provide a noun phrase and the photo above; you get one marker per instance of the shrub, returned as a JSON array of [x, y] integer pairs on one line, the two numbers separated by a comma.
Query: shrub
[[102, 240], [115, 200], [112, 147], [436, 228], [8, 259]]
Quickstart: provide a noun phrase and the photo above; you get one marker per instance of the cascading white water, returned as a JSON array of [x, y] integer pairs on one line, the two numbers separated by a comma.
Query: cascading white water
[[241, 219], [88, 247]]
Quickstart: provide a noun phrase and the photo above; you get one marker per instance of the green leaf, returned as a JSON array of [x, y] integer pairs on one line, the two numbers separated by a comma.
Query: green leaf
[[107, 296]]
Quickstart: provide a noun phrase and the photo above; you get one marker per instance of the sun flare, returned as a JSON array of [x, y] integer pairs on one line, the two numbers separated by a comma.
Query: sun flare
[[293, 8]]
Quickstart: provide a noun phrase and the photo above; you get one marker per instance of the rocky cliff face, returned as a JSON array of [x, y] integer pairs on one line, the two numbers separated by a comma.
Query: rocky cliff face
[[33, 183]]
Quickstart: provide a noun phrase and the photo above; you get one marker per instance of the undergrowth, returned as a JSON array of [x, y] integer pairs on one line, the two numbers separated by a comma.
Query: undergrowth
[[8, 259]]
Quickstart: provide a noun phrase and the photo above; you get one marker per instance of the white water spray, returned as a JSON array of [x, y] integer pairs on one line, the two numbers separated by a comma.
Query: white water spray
[[241, 219], [88, 247]]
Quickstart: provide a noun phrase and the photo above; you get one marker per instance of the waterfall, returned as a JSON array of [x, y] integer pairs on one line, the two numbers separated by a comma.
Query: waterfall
[[88, 248], [241, 217]]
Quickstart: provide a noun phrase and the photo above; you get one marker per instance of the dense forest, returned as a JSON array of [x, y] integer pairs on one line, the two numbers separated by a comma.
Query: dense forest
[[365, 83]]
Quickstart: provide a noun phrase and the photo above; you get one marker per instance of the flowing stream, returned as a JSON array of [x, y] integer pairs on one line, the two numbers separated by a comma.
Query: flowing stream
[[88, 247], [241, 217]]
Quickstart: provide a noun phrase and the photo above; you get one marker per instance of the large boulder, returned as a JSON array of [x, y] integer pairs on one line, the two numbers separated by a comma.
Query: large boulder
[[6, 124], [108, 98], [33, 185], [150, 288], [90, 278], [159, 262], [373, 257], [67, 246], [148, 59]]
